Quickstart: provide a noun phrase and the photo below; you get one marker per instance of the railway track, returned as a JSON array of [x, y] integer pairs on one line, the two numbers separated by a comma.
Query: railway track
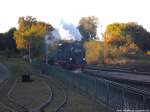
[[58, 98], [116, 69], [55, 102], [6, 101], [139, 80], [136, 86], [4, 108], [117, 94]]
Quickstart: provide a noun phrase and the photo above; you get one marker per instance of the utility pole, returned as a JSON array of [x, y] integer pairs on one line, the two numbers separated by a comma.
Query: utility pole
[[48, 41], [105, 48], [30, 41], [46, 55]]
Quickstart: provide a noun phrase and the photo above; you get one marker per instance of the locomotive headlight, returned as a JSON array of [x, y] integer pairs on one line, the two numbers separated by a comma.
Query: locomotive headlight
[[70, 59], [84, 59]]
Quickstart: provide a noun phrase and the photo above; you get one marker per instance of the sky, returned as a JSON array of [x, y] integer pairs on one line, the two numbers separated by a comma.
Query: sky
[[53, 11]]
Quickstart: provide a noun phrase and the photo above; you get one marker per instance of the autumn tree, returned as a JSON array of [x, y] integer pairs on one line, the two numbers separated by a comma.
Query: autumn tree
[[2, 42], [115, 34], [140, 36], [126, 34], [126, 39], [93, 51], [30, 34], [10, 39], [88, 27], [7, 42]]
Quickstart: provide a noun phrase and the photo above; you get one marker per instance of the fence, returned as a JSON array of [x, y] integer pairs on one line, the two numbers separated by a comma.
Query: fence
[[118, 97]]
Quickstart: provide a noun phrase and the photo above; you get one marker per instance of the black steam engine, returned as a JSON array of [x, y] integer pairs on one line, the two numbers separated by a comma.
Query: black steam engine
[[70, 55]]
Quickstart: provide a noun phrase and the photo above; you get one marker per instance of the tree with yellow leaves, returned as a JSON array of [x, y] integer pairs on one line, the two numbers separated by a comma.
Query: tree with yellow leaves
[[93, 51], [30, 33], [126, 39]]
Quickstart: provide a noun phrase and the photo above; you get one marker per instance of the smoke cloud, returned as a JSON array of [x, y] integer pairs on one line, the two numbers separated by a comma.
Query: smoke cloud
[[66, 31]]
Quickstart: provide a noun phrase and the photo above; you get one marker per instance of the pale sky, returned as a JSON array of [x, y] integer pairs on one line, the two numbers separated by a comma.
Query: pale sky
[[52, 11]]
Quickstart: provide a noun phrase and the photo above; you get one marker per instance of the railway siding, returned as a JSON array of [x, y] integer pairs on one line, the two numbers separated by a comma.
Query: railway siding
[[4, 108], [69, 79], [114, 95], [116, 69], [6, 86], [59, 96], [10, 104], [122, 76], [43, 105], [129, 97], [31, 94]]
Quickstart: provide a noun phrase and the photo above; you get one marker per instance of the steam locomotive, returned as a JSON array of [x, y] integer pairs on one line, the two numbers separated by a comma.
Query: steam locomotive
[[70, 55]]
